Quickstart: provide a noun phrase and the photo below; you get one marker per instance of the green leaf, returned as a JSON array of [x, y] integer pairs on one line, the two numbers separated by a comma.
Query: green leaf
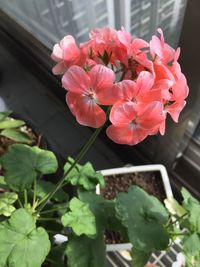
[[21, 243], [82, 251], [174, 207], [22, 165], [192, 207], [191, 244], [3, 184], [187, 197], [6, 201], [4, 115], [144, 216], [11, 123], [139, 258], [43, 188], [17, 136], [104, 210], [84, 176], [80, 218]]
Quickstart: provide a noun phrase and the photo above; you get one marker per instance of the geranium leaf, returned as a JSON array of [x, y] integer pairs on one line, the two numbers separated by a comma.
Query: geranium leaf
[[21, 243], [192, 207], [6, 201], [84, 176], [139, 258], [80, 218], [4, 115], [104, 210], [83, 251], [17, 136], [43, 188], [22, 165], [191, 244], [11, 123], [3, 184], [144, 217]]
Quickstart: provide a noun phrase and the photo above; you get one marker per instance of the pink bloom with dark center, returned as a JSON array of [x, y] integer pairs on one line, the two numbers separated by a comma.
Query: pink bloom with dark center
[[131, 124], [86, 91], [66, 53]]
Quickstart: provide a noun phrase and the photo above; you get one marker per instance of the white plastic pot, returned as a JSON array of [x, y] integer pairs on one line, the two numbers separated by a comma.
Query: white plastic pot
[[132, 169]]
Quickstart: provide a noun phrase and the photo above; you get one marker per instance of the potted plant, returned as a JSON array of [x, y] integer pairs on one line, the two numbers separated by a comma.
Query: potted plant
[[152, 178], [135, 85]]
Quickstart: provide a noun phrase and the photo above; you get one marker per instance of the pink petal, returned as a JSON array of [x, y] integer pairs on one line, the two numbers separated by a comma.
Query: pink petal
[[177, 54], [159, 91], [124, 91], [124, 37], [175, 109], [66, 41], [137, 44], [151, 115], [123, 113], [75, 80], [126, 134], [59, 68], [102, 78], [57, 53], [162, 72], [162, 127], [144, 82], [180, 89], [155, 47], [86, 111]]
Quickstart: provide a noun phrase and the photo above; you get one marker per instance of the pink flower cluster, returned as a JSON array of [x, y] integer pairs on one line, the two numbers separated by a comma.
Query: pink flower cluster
[[142, 82]]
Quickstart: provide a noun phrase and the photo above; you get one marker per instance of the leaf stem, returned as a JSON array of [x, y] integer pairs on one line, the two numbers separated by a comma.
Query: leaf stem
[[52, 210], [81, 154], [20, 203], [34, 193], [177, 220], [25, 197]]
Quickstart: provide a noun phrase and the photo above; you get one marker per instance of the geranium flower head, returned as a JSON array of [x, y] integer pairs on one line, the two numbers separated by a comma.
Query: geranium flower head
[[147, 87]]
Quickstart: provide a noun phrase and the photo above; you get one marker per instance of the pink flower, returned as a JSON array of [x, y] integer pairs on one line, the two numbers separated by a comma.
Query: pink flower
[[176, 103], [102, 40], [130, 48], [66, 53], [87, 91], [143, 90], [162, 52], [132, 123]]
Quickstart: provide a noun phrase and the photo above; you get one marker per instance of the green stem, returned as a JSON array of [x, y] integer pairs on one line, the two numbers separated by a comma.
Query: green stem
[[174, 233], [34, 193], [20, 203], [52, 210], [25, 198], [177, 220], [79, 157]]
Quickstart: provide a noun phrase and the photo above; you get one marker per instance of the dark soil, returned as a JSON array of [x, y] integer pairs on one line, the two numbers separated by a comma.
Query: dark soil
[[151, 182]]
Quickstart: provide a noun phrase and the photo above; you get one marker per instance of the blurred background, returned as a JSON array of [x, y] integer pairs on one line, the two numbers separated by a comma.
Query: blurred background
[[28, 31]]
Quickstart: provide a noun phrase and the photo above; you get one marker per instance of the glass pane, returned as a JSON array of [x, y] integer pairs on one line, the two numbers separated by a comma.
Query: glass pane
[[50, 20]]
